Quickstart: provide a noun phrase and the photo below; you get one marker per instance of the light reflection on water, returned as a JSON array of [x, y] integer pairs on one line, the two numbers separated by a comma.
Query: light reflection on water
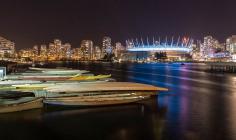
[[198, 105]]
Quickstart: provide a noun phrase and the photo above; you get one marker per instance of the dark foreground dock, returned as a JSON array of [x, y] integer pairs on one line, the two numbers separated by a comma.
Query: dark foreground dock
[[222, 66]]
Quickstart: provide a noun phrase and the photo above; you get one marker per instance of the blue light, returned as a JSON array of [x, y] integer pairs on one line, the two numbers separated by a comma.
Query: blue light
[[160, 48]]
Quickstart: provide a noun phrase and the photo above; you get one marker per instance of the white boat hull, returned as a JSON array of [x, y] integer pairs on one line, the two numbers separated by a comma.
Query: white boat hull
[[94, 101], [21, 106]]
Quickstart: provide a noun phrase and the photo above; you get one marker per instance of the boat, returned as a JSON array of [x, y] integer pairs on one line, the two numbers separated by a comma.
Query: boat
[[34, 86], [48, 69], [43, 85], [18, 82], [65, 72], [58, 71], [88, 77], [93, 94], [47, 77], [77, 77], [103, 87], [75, 101], [24, 103], [15, 94]]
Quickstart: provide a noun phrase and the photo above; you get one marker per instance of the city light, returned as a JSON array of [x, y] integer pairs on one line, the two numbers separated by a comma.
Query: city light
[[160, 48]]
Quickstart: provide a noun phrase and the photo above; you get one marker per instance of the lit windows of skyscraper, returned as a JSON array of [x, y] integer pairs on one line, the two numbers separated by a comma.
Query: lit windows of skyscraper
[[67, 51], [209, 47], [35, 52], [7, 48], [119, 48], [106, 45], [87, 49], [231, 44], [97, 53], [43, 52]]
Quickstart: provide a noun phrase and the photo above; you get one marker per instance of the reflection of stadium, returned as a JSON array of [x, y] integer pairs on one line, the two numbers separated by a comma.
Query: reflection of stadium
[[175, 50]]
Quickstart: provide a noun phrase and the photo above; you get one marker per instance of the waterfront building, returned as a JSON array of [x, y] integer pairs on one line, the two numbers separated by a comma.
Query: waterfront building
[[59, 51], [231, 44], [43, 52], [97, 53], [76, 54], [7, 48], [52, 51], [87, 49], [106, 46], [209, 47], [195, 53], [64, 51], [146, 50], [35, 52], [26, 54], [118, 50]]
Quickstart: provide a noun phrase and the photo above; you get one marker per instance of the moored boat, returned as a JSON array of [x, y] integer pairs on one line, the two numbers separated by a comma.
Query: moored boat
[[89, 77], [93, 94], [21, 104], [18, 82], [77, 77], [15, 94], [75, 101], [103, 87], [59, 71]]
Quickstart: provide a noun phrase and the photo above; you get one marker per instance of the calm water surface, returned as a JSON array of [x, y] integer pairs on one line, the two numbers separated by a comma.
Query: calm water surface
[[198, 106]]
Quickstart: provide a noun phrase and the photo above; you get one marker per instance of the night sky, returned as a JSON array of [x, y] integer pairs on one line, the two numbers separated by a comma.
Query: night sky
[[28, 22]]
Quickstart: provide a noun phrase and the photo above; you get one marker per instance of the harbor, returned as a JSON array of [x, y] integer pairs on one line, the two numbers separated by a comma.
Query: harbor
[[67, 87]]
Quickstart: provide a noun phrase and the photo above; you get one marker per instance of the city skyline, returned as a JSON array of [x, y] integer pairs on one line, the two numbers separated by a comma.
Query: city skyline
[[28, 22], [181, 49]]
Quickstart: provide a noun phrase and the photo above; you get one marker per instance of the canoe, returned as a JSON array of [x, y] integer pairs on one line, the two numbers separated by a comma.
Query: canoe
[[94, 101], [65, 72], [15, 94], [43, 85], [103, 87], [33, 86], [48, 78], [25, 103], [102, 94], [77, 77], [84, 96], [85, 77], [18, 82], [48, 69]]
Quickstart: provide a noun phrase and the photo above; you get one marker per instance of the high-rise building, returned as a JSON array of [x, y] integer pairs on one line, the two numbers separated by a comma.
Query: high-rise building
[[26, 53], [59, 51], [97, 53], [7, 48], [106, 46], [87, 49], [195, 53], [119, 48], [209, 47], [43, 52], [76, 54], [66, 51], [35, 52], [231, 44]]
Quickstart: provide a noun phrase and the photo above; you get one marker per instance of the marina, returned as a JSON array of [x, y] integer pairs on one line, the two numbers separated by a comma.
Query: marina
[[68, 87]]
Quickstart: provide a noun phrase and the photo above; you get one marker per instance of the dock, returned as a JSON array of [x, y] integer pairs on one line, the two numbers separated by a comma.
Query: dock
[[229, 67]]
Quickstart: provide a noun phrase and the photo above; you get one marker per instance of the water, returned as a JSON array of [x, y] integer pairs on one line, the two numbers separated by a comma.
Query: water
[[198, 106]]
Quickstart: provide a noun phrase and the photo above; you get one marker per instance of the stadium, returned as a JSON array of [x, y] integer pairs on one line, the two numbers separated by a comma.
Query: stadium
[[178, 49]]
